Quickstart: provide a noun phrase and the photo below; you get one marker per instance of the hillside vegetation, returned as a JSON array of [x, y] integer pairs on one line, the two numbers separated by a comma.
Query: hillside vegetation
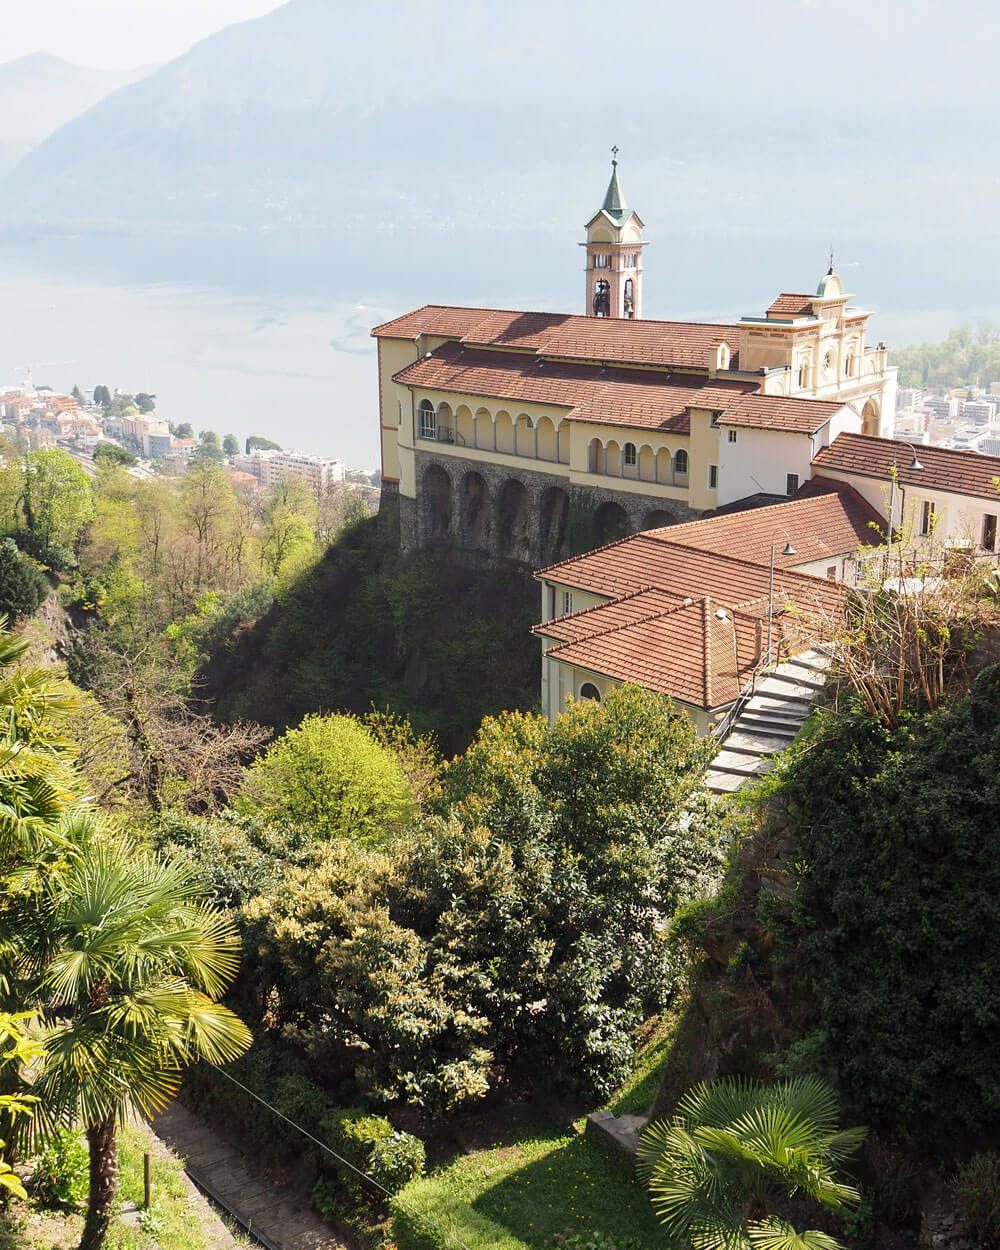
[[441, 644], [969, 356]]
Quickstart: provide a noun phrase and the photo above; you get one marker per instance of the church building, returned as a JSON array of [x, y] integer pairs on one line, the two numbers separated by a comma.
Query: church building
[[535, 435]]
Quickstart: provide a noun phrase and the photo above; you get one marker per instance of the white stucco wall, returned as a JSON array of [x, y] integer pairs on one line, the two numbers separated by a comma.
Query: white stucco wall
[[759, 460]]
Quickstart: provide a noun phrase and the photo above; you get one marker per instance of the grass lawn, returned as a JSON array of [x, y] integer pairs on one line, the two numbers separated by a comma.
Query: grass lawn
[[511, 1195], [179, 1219]]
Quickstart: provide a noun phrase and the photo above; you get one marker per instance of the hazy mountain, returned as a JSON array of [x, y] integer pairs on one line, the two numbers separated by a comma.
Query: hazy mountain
[[467, 133], [39, 93]]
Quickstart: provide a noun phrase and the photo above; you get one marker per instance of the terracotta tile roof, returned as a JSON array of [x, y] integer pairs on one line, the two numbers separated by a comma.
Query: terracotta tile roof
[[661, 628], [646, 561], [684, 650], [609, 397], [944, 468], [820, 525], [681, 344], [778, 412], [791, 305]]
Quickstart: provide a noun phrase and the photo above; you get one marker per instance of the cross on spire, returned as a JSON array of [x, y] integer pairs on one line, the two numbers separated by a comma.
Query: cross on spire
[[614, 154], [831, 259]]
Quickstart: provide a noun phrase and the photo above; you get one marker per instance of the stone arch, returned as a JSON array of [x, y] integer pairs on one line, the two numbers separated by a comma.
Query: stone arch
[[524, 435], [475, 511], [656, 518], [869, 418], [546, 439], [663, 475], [611, 522], [505, 433], [612, 459], [553, 519], [437, 502], [484, 429], [595, 456], [445, 423], [465, 433], [647, 463], [514, 520]]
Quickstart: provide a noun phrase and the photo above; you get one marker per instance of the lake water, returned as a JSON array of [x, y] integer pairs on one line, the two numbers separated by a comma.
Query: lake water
[[271, 336]]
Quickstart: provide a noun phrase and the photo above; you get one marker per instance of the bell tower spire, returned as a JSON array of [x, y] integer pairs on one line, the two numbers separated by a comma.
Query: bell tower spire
[[614, 255]]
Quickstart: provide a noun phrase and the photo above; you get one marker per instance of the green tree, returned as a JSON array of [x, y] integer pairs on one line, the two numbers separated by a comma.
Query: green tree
[[184, 430], [23, 585], [102, 396], [722, 1172], [77, 393], [231, 445], [289, 523], [331, 775], [145, 402], [255, 441], [130, 962], [113, 454], [209, 446], [56, 498]]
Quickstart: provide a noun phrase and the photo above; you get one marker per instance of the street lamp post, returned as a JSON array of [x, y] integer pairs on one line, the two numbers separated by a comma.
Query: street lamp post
[[789, 550]]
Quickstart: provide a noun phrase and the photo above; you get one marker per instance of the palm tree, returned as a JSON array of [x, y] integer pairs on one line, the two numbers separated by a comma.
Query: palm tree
[[127, 964], [735, 1151]]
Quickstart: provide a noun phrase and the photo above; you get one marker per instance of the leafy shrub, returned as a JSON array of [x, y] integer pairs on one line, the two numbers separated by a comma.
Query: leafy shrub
[[391, 1158], [51, 554], [23, 585], [60, 1178], [328, 1200], [238, 856], [977, 1195], [570, 1240], [896, 834], [331, 775]]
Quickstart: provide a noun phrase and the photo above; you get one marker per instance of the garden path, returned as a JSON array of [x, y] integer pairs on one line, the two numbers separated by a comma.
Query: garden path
[[273, 1215]]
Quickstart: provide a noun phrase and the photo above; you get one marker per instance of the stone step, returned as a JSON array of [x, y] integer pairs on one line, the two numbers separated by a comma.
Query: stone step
[[741, 765], [724, 783], [765, 723], [793, 713], [793, 677], [757, 740]]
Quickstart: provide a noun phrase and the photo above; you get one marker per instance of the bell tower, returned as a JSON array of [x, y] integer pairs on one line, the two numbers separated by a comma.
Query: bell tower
[[614, 255]]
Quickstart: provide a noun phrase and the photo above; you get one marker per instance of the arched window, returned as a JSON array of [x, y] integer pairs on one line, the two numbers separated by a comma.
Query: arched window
[[681, 461], [589, 691], [628, 299], [630, 455], [428, 419]]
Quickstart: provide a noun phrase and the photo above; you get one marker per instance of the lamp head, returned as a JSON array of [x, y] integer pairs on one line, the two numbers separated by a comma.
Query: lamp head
[[916, 463], [789, 549]]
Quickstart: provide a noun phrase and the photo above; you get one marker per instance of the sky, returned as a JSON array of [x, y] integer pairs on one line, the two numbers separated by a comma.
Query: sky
[[117, 34]]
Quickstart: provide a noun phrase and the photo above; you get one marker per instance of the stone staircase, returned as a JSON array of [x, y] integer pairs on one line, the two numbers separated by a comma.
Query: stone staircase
[[768, 721]]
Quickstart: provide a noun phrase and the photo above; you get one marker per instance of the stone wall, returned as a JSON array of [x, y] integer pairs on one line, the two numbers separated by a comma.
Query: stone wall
[[524, 514]]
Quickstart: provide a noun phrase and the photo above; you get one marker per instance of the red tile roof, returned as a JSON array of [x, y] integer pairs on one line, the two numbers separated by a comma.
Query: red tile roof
[[662, 629], [680, 344], [610, 396], [944, 468], [648, 560], [820, 524], [777, 412], [791, 305], [684, 650]]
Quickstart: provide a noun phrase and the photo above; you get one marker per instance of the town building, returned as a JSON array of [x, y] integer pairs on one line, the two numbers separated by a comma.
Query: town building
[[269, 467], [687, 610], [511, 432]]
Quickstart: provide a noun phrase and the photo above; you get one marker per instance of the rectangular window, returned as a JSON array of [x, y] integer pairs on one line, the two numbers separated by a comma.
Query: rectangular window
[[831, 573], [732, 436], [713, 476], [989, 532], [428, 423], [713, 420], [791, 483], [927, 517], [567, 602]]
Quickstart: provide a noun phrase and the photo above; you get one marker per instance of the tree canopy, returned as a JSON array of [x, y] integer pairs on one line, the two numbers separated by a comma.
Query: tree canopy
[[330, 774]]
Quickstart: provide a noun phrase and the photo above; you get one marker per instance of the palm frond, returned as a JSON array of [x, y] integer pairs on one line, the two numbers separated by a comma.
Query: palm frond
[[778, 1234]]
